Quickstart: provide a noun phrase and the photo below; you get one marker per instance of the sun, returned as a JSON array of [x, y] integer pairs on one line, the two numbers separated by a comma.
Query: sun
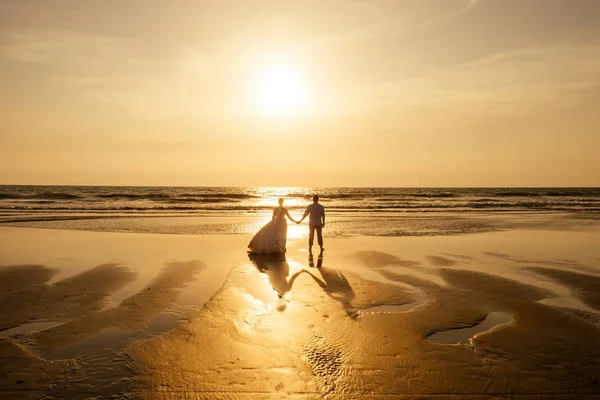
[[281, 90]]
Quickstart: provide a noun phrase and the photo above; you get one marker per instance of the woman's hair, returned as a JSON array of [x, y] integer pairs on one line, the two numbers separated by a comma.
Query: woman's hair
[[281, 200]]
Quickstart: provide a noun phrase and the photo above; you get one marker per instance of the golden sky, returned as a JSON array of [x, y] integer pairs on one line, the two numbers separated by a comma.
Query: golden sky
[[370, 93]]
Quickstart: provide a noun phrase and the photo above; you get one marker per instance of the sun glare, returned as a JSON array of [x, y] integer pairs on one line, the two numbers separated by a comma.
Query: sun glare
[[281, 90]]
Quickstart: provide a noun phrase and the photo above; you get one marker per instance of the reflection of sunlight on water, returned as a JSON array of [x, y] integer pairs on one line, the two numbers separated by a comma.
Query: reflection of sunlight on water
[[294, 266], [275, 291], [280, 191], [270, 196], [274, 202], [248, 321], [297, 231]]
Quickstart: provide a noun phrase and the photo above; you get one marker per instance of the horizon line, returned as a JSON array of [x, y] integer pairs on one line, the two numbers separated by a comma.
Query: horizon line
[[310, 187]]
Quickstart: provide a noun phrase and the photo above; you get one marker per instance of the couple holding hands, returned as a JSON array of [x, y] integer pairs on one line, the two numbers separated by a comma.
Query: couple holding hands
[[271, 238]]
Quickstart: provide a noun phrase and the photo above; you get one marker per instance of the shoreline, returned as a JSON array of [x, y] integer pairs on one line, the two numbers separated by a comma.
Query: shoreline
[[340, 224]]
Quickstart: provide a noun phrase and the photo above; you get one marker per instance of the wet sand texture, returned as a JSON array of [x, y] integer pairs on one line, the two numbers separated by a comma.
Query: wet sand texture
[[133, 313], [28, 296], [304, 328], [239, 347], [25, 375], [585, 287], [79, 301]]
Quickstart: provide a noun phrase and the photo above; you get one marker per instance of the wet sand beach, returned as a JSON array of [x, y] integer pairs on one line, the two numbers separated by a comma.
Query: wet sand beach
[[443, 152], [510, 314]]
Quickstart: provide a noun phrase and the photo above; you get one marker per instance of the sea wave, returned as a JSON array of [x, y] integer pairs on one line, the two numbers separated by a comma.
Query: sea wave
[[220, 205], [133, 196], [435, 195], [517, 194], [220, 195], [40, 196], [588, 192], [351, 200]]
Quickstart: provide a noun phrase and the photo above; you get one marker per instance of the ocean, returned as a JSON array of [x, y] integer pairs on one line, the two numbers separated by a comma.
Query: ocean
[[373, 211]]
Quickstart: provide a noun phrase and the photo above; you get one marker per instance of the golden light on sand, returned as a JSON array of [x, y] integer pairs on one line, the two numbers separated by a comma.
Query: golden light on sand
[[281, 90]]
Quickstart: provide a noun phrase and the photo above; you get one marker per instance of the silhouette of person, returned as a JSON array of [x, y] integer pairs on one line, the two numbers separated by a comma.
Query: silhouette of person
[[272, 238], [316, 222], [275, 266]]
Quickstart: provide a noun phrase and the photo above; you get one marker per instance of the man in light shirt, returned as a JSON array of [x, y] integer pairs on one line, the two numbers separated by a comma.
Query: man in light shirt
[[316, 222]]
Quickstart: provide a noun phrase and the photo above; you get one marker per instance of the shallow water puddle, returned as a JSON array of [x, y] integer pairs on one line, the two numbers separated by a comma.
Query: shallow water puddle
[[30, 328], [493, 321], [393, 308]]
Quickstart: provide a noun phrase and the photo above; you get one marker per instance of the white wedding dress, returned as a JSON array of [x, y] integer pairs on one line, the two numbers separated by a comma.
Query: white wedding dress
[[272, 237]]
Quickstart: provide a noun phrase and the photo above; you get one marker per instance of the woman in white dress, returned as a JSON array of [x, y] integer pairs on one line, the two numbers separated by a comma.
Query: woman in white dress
[[272, 237]]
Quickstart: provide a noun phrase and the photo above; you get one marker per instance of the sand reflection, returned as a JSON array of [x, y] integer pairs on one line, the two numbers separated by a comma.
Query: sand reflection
[[277, 269]]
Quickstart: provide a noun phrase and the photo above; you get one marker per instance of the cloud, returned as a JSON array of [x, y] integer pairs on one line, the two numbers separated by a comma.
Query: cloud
[[385, 18], [54, 47], [557, 77], [101, 68], [472, 3]]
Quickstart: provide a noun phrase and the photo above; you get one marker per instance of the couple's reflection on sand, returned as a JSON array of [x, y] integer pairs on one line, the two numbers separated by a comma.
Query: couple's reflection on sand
[[311, 261], [331, 280], [276, 267]]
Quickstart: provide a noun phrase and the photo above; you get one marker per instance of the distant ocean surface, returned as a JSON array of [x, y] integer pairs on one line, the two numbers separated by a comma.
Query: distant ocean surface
[[373, 211], [198, 199]]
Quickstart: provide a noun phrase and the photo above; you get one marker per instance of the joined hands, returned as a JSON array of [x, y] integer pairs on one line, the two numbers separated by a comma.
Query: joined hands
[[299, 222]]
